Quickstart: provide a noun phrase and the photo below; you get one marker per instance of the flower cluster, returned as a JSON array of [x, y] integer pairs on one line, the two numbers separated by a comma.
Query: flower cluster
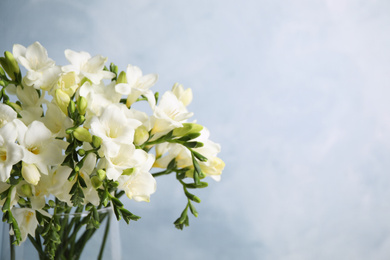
[[70, 138]]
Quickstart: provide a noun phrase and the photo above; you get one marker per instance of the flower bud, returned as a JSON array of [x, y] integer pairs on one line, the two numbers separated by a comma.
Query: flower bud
[[30, 173], [141, 135], [96, 182], [2, 73], [71, 107], [188, 128], [13, 66], [5, 66], [26, 190], [96, 141], [82, 105], [128, 171], [62, 100], [15, 106], [101, 174], [81, 152], [122, 78], [82, 134]]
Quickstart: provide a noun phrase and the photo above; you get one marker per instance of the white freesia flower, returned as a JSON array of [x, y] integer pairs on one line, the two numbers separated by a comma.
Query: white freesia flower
[[7, 114], [137, 85], [27, 221], [31, 104], [40, 146], [91, 194], [213, 167], [140, 184], [41, 70], [115, 128], [10, 152], [185, 96], [56, 121], [127, 157], [85, 66], [169, 114]]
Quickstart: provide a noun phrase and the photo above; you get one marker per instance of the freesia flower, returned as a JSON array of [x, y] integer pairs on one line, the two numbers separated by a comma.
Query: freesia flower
[[40, 146], [169, 114], [10, 152], [140, 184], [114, 128], [41, 70], [7, 114], [137, 85], [27, 221], [85, 66]]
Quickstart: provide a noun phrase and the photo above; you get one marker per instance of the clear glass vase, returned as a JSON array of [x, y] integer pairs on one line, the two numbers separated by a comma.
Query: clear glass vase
[[77, 242]]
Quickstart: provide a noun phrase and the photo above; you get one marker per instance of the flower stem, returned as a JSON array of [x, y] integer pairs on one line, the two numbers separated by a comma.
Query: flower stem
[[104, 238]]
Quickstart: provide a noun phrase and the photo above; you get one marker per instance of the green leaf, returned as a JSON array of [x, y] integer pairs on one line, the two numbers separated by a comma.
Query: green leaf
[[78, 195]]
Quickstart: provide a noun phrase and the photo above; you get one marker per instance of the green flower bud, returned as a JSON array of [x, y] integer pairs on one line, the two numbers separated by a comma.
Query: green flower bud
[[141, 135], [4, 64], [188, 128], [96, 141], [81, 152], [12, 64], [2, 73], [71, 107], [51, 203], [122, 78], [22, 202], [128, 171], [15, 106], [96, 182], [101, 174], [82, 134], [26, 190], [82, 105]]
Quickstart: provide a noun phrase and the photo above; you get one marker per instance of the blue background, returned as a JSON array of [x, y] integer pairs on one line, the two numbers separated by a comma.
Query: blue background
[[297, 94]]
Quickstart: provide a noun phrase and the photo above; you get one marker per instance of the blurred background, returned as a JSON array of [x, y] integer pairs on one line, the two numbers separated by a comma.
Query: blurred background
[[297, 94]]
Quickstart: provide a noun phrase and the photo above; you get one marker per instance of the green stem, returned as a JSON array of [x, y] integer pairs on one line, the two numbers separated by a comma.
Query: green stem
[[104, 238], [12, 246], [166, 172]]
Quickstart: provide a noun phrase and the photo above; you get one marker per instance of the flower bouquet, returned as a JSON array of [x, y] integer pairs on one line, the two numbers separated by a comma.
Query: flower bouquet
[[72, 141]]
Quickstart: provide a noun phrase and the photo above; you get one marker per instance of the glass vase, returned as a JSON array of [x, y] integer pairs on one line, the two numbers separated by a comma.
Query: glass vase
[[77, 242]]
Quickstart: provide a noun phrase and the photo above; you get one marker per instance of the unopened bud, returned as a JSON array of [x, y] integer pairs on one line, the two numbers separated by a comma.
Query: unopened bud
[[188, 128], [12, 65], [141, 135], [62, 99], [15, 106], [101, 174], [30, 173], [96, 182], [26, 190], [122, 78], [2, 73], [82, 134], [128, 171], [71, 107], [81, 152], [96, 141], [82, 105]]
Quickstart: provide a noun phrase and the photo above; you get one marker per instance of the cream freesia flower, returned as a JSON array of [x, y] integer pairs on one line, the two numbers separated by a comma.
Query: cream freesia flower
[[140, 184], [10, 152], [41, 70], [115, 128], [137, 85], [86, 66]]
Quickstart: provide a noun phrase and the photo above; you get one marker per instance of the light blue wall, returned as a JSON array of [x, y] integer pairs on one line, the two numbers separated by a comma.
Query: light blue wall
[[296, 92]]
